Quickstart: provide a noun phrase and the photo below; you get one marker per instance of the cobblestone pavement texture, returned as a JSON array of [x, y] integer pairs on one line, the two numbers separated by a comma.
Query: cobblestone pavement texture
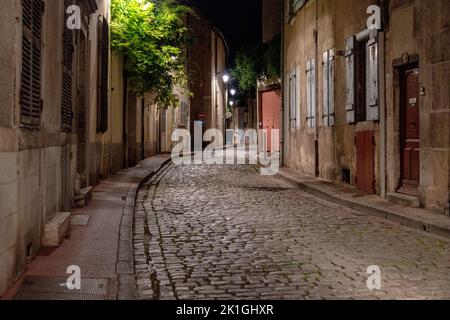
[[227, 232]]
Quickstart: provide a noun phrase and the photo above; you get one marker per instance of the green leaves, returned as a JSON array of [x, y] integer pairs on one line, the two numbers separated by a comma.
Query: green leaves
[[151, 36], [257, 63]]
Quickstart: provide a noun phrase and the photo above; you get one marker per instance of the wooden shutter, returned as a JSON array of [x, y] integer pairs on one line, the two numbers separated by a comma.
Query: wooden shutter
[[350, 79], [331, 65], [103, 65], [311, 93], [372, 111], [328, 88], [30, 92], [67, 76], [325, 90]]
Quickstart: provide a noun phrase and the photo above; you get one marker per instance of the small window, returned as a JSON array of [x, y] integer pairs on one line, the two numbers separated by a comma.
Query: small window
[[184, 112]]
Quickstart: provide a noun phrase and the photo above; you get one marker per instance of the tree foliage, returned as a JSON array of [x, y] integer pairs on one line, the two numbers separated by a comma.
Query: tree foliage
[[257, 63], [151, 36]]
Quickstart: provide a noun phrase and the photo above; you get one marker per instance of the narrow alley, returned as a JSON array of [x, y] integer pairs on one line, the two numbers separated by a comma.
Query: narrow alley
[[319, 134]]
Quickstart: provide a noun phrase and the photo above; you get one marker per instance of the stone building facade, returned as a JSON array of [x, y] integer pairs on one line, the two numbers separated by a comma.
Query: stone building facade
[[269, 97], [207, 57], [50, 145], [365, 107], [68, 117]]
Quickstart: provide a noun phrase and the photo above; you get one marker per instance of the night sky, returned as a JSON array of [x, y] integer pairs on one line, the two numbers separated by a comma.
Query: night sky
[[239, 20]]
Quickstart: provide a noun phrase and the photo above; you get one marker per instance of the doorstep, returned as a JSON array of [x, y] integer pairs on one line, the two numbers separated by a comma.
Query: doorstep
[[417, 218]]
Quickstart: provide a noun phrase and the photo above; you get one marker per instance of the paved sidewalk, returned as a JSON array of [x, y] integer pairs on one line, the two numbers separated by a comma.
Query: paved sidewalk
[[421, 219], [102, 248]]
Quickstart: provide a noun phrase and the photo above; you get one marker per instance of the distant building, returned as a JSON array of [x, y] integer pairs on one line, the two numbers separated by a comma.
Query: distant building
[[269, 90], [207, 56]]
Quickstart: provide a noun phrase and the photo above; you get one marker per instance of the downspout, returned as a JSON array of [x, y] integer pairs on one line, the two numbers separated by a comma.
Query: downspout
[[283, 100], [124, 119], [142, 128], [382, 102], [316, 77]]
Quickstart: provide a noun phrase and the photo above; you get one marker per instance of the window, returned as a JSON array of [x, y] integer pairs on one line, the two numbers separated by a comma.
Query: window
[[184, 114], [311, 93], [30, 91], [362, 80], [328, 88], [103, 65], [67, 76], [292, 96]]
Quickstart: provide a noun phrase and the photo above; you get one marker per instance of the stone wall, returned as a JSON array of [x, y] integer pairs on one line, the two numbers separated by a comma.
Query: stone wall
[[411, 28]]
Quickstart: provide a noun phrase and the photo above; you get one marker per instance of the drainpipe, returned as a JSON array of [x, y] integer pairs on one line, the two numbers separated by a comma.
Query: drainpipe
[[283, 120], [382, 102], [316, 77]]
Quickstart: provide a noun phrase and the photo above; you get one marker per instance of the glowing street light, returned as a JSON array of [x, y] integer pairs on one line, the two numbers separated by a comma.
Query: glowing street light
[[231, 103], [233, 92], [225, 78]]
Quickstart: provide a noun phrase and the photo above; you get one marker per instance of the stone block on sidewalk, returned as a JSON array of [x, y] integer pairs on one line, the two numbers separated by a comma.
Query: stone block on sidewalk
[[57, 229]]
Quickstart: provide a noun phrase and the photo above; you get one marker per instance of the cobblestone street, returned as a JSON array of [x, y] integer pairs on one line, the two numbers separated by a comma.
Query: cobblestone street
[[226, 232]]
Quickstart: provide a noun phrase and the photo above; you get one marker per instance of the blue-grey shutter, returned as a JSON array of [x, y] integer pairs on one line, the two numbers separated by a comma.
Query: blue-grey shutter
[[331, 64], [325, 90], [350, 79], [328, 88], [372, 111], [311, 93]]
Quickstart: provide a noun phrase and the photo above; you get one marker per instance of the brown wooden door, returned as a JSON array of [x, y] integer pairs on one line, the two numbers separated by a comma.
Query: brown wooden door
[[410, 132], [365, 162], [271, 104]]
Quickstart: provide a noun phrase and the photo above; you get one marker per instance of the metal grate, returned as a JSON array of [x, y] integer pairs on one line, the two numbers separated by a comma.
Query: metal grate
[[54, 288]]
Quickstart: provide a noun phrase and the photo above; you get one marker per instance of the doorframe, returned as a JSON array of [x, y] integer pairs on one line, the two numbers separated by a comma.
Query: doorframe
[[400, 66]]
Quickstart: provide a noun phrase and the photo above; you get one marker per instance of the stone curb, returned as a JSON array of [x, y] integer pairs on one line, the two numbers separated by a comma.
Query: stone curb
[[426, 221], [125, 260]]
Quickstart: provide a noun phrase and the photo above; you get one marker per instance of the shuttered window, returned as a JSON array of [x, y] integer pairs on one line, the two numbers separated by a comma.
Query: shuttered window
[[311, 93], [67, 76], [328, 88], [184, 114], [30, 91], [362, 80], [103, 65]]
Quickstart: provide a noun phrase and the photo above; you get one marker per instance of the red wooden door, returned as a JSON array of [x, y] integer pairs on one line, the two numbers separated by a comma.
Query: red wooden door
[[365, 162], [270, 113], [410, 132]]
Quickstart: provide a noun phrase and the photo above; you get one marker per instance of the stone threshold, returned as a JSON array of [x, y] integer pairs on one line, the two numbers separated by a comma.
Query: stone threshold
[[416, 218]]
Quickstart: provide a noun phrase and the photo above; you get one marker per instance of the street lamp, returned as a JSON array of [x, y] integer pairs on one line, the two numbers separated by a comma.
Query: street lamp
[[231, 103], [233, 92], [225, 78]]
